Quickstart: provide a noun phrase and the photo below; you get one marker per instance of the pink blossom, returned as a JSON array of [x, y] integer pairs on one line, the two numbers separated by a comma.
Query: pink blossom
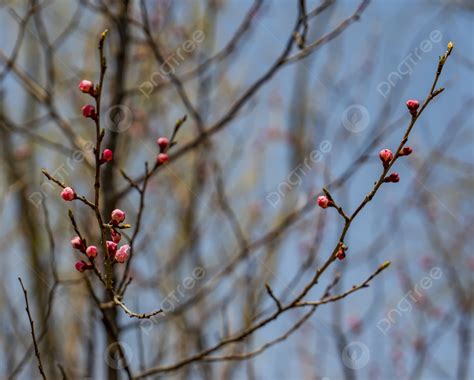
[[116, 236], [107, 155], [162, 158], [86, 86], [111, 247], [324, 201], [77, 243], [88, 111], [413, 105], [68, 194], [386, 156], [91, 251], [81, 266], [163, 143], [117, 216], [122, 253]]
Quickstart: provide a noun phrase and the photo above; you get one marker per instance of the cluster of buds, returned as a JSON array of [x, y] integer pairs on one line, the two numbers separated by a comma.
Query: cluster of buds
[[386, 156], [87, 87], [163, 144], [121, 254], [68, 194], [80, 245], [412, 106]]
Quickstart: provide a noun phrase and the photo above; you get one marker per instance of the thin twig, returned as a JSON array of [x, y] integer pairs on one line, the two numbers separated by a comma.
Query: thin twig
[[37, 352], [272, 295], [133, 314]]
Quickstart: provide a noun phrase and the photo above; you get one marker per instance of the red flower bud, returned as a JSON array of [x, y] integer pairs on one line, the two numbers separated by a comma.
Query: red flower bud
[[394, 177], [116, 236], [91, 251], [341, 254], [111, 247], [324, 202], [77, 243], [386, 156], [81, 266], [117, 216], [163, 143], [86, 86], [68, 194], [413, 105], [406, 151], [107, 155], [162, 158], [89, 111]]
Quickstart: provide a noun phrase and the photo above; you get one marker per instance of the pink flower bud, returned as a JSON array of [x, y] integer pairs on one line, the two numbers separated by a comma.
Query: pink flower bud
[[107, 155], [163, 143], [162, 158], [88, 111], [341, 254], [122, 253], [324, 201], [111, 247], [81, 266], [386, 156], [86, 86], [116, 236], [406, 151], [91, 251], [394, 177], [413, 105], [77, 243], [117, 216], [68, 194]]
